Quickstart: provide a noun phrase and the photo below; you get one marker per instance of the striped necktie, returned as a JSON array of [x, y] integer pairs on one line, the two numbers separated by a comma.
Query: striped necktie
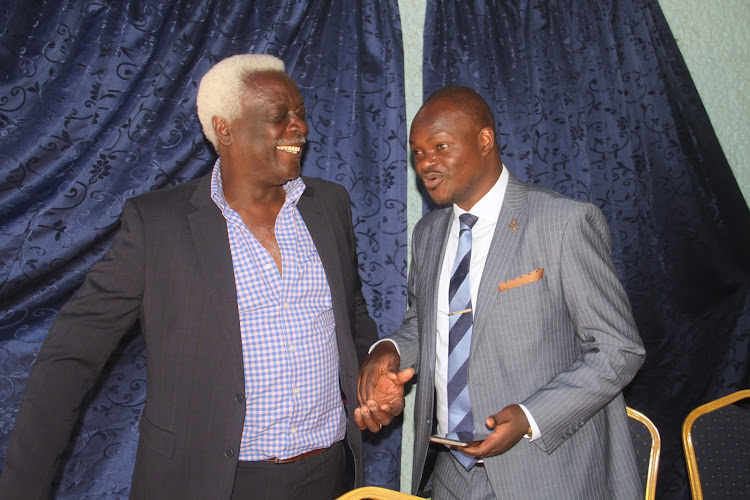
[[460, 419]]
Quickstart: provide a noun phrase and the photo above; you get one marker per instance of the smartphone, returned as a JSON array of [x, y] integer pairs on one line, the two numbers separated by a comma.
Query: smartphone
[[453, 442]]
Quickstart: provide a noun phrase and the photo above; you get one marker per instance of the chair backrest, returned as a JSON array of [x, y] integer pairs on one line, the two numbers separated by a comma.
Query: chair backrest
[[375, 493], [647, 444], [716, 440]]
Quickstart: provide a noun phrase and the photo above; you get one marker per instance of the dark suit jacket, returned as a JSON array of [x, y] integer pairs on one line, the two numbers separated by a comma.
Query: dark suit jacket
[[562, 342], [170, 267]]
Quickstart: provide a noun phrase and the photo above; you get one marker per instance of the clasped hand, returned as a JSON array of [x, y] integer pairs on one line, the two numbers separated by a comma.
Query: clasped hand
[[380, 388], [381, 398]]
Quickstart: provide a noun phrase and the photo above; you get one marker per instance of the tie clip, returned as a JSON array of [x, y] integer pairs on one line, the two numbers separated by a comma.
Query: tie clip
[[459, 312]]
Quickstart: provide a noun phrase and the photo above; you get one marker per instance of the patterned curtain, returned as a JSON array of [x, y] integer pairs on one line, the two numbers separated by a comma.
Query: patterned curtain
[[594, 100], [97, 104]]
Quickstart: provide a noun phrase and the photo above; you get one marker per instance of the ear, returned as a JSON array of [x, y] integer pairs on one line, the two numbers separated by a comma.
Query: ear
[[221, 127], [486, 140]]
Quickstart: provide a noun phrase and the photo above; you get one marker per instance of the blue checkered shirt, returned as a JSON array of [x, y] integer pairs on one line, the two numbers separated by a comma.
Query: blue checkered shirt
[[293, 402]]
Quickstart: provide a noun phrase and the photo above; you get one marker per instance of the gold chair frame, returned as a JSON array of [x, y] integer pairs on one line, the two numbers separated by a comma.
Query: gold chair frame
[[687, 438], [375, 493], [653, 459]]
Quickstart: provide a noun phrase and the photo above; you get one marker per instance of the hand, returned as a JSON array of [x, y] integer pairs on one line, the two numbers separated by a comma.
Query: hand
[[510, 426], [381, 388]]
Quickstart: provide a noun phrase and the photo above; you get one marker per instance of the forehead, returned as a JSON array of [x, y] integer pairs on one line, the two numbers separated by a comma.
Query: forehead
[[440, 118], [273, 87]]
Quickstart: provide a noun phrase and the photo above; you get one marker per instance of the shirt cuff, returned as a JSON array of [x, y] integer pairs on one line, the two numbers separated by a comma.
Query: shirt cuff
[[385, 340], [535, 432]]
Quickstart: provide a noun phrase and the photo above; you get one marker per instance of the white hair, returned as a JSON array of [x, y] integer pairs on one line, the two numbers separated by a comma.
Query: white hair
[[222, 87]]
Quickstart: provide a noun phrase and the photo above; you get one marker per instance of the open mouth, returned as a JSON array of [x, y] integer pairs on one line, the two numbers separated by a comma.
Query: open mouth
[[295, 150], [431, 180]]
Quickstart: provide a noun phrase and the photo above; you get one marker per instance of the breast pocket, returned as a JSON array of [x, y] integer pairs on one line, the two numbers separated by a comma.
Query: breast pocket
[[524, 286]]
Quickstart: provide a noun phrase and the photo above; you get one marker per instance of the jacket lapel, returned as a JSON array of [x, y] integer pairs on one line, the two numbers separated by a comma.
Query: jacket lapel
[[209, 231], [511, 225], [325, 239], [435, 245]]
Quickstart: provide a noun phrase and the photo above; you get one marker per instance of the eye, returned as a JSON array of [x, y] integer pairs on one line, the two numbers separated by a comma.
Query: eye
[[416, 152], [441, 146]]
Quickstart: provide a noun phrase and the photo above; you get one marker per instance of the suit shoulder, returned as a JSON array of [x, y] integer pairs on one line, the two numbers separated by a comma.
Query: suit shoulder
[[557, 205], [167, 195], [325, 187], [430, 218], [327, 193]]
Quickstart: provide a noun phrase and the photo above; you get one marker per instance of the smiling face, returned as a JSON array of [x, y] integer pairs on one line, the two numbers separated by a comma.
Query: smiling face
[[452, 154], [268, 137]]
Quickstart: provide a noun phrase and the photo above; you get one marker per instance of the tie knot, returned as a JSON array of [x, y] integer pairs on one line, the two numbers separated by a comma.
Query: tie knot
[[467, 220]]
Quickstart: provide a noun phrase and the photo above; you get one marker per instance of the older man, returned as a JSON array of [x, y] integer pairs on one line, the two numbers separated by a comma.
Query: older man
[[518, 326], [245, 283]]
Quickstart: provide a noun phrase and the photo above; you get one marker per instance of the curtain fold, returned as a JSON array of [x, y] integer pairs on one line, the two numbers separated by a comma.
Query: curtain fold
[[97, 104], [593, 100]]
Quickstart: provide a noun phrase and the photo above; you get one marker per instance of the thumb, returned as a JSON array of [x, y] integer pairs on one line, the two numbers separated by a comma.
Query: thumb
[[401, 377], [405, 375], [494, 420]]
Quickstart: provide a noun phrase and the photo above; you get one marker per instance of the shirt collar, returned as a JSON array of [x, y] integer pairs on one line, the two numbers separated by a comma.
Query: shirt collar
[[488, 207], [293, 189]]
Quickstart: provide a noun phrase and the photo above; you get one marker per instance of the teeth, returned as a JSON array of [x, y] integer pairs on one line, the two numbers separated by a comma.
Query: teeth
[[290, 149]]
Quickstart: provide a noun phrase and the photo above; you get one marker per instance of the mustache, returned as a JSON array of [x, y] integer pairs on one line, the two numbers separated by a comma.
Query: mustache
[[298, 141], [424, 173]]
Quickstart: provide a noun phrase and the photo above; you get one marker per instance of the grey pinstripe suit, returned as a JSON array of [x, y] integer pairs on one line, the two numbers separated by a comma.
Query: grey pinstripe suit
[[564, 346]]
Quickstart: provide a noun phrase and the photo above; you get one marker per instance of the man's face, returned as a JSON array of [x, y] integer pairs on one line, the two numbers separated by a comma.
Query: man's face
[[271, 131], [448, 155]]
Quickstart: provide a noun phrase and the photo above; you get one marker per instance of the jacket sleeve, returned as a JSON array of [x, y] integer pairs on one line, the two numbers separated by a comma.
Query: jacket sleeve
[[83, 336], [611, 350]]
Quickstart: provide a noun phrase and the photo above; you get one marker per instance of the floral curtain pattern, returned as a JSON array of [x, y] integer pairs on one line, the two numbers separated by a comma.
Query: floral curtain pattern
[[97, 104], [593, 100]]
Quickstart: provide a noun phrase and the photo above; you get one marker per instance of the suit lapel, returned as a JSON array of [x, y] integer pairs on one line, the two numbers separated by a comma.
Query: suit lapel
[[435, 245], [209, 230], [511, 225], [325, 240]]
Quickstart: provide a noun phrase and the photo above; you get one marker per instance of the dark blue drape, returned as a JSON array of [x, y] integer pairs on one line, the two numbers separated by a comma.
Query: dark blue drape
[[97, 104], [594, 100]]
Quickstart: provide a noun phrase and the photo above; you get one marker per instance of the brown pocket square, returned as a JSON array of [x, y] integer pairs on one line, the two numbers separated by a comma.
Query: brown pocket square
[[531, 277]]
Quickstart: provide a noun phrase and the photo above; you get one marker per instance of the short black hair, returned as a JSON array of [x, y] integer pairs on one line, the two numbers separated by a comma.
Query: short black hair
[[469, 101]]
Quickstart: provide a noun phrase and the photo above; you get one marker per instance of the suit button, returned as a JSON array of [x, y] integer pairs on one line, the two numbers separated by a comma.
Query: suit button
[[229, 453], [240, 398]]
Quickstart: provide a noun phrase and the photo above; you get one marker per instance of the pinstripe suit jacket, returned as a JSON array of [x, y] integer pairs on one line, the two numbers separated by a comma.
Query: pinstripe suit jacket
[[564, 346]]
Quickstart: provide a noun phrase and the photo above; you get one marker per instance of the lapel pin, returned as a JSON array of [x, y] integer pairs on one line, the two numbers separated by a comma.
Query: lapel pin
[[513, 225]]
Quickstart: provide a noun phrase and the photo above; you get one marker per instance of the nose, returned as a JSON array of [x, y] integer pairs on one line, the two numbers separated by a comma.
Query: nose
[[425, 162], [298, 125]]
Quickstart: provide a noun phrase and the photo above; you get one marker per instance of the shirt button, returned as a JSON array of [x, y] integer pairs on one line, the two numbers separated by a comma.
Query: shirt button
[[239, 397], [292, 347], [286, 305], [267, 266], [294, 429], [295, 391], [229, 453]]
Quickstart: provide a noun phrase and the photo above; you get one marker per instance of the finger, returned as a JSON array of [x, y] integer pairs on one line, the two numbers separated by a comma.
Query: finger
[[404, 376], [358, 420], [366, 384], [489, 447], [394, 408], [370, 423], [381, 416]]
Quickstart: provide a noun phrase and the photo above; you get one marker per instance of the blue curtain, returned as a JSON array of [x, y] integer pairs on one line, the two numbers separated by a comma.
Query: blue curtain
[[97, 104], [594, 100]]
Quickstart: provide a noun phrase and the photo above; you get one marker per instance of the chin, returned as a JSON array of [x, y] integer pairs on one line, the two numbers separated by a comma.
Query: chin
[[441, 198]]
